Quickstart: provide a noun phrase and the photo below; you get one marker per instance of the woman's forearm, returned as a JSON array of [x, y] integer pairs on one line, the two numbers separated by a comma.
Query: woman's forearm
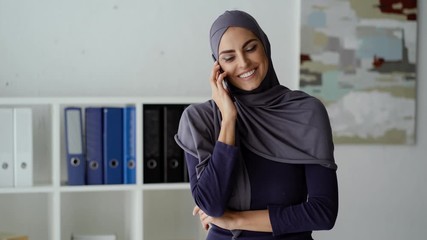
[[258, 220], [254, 220], [227, 132]]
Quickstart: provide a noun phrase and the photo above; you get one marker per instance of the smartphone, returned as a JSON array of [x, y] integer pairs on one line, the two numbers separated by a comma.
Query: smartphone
[[225, 80]]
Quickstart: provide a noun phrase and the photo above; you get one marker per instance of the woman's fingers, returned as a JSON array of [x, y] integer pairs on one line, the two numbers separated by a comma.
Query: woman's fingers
[[206, 226], [214, 74], [202, 215], [217, 77], [220, 94], [219, 91], [196, 210], [204, 218]]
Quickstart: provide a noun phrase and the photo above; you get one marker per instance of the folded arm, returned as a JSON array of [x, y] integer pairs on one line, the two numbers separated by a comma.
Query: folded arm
[[212, 189], [319, 212]]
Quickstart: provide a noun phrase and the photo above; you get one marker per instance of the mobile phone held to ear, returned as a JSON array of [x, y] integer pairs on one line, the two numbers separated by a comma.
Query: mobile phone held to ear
[[225, 80]]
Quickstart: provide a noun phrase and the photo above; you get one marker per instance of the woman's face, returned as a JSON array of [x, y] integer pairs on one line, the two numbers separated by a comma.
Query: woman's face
[[242, 57]]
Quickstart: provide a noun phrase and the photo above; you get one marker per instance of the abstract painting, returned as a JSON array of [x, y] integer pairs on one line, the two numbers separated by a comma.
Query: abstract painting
[[359, 58]]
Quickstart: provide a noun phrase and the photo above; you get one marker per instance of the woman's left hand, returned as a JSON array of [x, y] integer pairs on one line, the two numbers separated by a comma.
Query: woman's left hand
[[204, 218], [225, 221]]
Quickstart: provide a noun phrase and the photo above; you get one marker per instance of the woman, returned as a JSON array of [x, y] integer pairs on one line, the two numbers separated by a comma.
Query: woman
[[259, 156]]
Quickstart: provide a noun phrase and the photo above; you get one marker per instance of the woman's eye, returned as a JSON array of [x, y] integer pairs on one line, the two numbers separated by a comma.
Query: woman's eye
[[251, 48], [228, 59]]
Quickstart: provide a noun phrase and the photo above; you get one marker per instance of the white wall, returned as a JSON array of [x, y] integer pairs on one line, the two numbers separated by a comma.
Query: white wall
[[133, 47], [161, 48]]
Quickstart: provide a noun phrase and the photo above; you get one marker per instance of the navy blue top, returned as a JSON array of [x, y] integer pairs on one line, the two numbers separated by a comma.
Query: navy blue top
[[300, 198]]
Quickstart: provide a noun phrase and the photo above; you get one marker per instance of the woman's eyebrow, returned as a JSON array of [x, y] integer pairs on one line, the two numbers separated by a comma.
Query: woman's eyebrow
[[244, 45], [226, 51], [249, 41]]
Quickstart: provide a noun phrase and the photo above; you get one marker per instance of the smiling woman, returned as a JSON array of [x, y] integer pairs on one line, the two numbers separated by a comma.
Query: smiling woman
[[243, 59], [261, 167]]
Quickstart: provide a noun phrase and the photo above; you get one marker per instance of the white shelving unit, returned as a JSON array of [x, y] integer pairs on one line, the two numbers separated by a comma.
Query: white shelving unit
[[51, 210]]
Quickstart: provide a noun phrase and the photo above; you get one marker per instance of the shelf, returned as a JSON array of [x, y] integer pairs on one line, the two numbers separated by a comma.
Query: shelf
[[123, 187], [99, 188], [33, 189], [52, 210], [166, 186]]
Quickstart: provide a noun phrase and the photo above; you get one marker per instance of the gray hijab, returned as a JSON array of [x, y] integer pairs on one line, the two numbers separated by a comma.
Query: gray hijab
[[273, 122]]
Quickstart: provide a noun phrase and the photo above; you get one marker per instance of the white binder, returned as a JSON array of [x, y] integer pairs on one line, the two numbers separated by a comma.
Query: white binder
[[6, 147], [23, 151]]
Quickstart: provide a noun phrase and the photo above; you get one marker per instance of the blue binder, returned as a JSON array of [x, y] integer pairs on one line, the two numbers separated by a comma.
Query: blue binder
[[94, 148], [129, 145], [113, 145], [76, 164]]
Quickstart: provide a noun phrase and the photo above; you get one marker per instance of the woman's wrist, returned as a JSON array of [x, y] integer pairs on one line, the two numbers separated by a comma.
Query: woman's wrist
[[236, 221], [228, 122], [257, 220], [229, 117], [227, 132]]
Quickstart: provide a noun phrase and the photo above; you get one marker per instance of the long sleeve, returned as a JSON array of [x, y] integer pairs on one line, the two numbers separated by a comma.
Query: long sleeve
[[211, 191], [319, 212]]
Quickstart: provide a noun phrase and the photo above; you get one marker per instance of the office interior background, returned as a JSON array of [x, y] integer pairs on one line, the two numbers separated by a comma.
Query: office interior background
[[134, 48]]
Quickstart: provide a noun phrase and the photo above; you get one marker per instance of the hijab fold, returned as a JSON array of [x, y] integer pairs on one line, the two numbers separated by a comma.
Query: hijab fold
[[273, 122]]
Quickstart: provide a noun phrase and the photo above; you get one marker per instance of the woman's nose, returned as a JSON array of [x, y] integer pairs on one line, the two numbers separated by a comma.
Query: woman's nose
[[243, 61]]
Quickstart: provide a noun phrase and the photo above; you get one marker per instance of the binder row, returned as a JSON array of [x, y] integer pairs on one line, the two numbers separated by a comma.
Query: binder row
[[163, 158], [16, 147], [103, 151], [102, 148]]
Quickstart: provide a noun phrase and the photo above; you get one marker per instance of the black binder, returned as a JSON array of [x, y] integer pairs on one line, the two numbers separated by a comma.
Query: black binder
[[163, 158], [174, 155], [152, 142]]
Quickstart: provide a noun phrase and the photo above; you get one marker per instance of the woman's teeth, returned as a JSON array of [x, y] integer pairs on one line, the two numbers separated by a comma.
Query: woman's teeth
[[247, 74]]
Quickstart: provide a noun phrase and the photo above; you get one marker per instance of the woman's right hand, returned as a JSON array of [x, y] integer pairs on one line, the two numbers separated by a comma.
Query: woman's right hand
[[221, 95]]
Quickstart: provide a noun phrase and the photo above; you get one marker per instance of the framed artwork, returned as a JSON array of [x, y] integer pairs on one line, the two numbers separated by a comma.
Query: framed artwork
[[359, 58]]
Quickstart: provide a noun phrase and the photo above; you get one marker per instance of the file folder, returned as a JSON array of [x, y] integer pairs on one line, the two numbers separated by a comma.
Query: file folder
[[153, 140], [174, 155], [129, 145], [23, 150], [113, 145], [94, 145], [76, 164], [6, 148]]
